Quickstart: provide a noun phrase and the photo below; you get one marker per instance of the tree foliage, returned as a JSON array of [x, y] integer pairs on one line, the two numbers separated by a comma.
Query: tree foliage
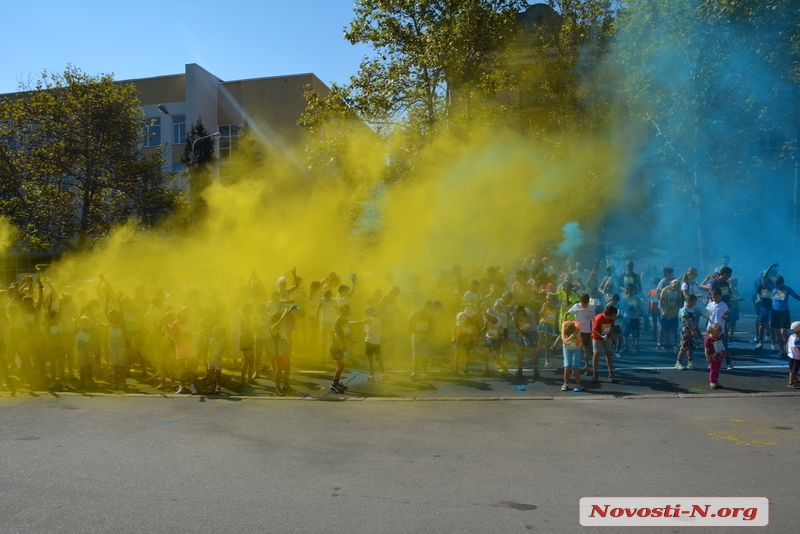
[[71, 167], [708, 77], [431, 59]]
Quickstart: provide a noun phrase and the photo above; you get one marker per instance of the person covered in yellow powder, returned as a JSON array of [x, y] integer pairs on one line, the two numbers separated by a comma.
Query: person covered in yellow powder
[[420, 325], [282, 349], [340, 339], [185, 352], [547, 328], [493, 331], [524, 324], [116, 334], [217, 350]]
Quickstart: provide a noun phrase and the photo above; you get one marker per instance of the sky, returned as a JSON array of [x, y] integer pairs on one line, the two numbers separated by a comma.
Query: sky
[[233, 40]]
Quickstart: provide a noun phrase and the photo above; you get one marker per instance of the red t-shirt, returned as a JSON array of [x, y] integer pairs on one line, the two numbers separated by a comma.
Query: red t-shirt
[[603, 325], [708, 343]]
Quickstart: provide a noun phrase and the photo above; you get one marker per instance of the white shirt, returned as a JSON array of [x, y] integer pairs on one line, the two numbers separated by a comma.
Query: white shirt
[[792, 347], [470, 303], [374, 331], [584, 316], [716, 313]]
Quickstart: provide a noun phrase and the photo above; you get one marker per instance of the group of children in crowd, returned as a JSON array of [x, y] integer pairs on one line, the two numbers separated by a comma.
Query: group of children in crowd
[[183, 333]]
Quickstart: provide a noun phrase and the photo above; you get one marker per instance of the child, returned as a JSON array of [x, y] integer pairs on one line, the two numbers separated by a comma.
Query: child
[[83, 336], [653, 306], [494, 341], [718, 314], [715, 353], [326, 315], [734, 308], [572, 350], [217, 347], [630, 321], [339, 339], [602, 339], [116, 337], [547, 326], [247, 345], [523, 321], [689, 333], [584, 312], [420, 325], [282, 349], [372, 342], [793, 351], [464, 340]]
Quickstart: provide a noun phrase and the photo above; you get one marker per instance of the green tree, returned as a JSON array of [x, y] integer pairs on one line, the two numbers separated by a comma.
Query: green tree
[[71, 167], [198, 154], [706, 77], [432, 59], [561, 52]]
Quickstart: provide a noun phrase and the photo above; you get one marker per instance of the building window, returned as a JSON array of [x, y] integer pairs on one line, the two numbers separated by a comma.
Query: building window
[[228, 138], [152, 132], [180, 179], [178, 129]]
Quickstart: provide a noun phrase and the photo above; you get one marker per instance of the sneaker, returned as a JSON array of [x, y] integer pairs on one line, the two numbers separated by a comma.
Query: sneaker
[[579, 388], [413, 376], [181, 390], [547, 364], [518, 374], [690, 365], [535, 373], [587, 371], [371, 378], [564, 387], [679, 366], [718, 385], [774, 346], [595, 380], [218, 390], [712, 385], [730, 367], [280, 393], [759, 346], [334, 387], [423, 376], [192, 389], [612, 378], [792, 385]]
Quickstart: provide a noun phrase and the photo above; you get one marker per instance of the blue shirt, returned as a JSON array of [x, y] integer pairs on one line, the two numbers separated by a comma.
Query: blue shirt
[[780, 297]]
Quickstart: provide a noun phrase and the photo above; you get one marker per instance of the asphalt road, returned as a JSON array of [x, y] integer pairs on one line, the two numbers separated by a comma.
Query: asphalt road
[[196, 464]]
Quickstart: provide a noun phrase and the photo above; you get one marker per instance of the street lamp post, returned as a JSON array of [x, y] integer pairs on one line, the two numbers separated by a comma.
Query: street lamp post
[[163, 109]]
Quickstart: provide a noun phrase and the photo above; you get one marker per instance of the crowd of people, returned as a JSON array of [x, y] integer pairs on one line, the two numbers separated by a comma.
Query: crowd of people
[[186, 334]]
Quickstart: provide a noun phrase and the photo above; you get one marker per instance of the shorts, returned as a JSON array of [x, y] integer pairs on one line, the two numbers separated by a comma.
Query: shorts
[[586, 339], [547, 328], [765, 315], [465, 341], [688, 342], [85, 357], [631, 327], [601, 345], [794, 366], [420, 346], [505, 333], [215, 366], [733, 315], [670, 323], [336, 354], [283, 360], [781, 319], [116, 353], [617, 331], [494, 344], [572, 356], [371, 348], [526, 339]]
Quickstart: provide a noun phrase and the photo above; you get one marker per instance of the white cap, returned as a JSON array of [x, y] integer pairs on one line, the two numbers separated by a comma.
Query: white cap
[[796, 326]]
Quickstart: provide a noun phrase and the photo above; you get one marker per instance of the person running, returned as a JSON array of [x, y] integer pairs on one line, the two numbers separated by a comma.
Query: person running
[[572, 350], [523, 320], [689, 333], [602, 339], [715, 353]]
